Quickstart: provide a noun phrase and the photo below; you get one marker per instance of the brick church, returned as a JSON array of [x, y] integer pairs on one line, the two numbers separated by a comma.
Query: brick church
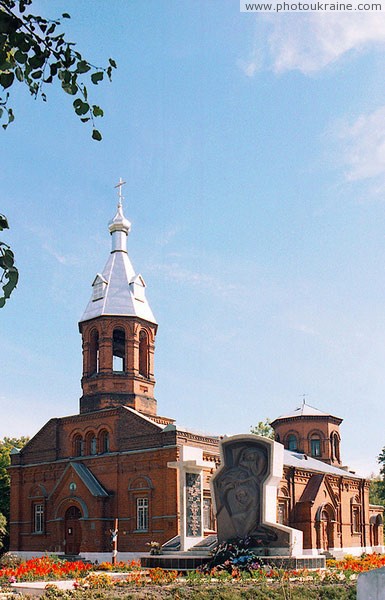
[[118, 459]]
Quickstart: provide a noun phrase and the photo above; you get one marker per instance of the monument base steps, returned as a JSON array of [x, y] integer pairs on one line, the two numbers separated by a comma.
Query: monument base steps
[[186, 561]]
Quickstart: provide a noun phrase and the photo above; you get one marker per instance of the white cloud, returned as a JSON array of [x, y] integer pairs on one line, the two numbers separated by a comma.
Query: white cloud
[[310, 42], [363, 146]]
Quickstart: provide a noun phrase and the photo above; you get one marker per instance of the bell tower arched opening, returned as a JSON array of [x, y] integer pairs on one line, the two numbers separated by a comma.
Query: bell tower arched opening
[[119, 351], [94, 353], [143, 354]]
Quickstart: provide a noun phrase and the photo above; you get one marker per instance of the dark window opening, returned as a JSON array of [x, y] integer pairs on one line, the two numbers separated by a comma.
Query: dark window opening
[[91, 445], [292, 443], [78, 445], [104, 442], [119, 350], [336, 447], [94, 353], [315, 446], [143, 354]]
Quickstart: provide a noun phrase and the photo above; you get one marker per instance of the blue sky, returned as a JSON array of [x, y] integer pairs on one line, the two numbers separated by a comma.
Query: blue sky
[[253, 147]]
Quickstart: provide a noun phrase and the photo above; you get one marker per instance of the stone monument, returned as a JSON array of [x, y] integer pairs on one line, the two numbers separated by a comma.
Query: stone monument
[[244, 489], [371, 585]]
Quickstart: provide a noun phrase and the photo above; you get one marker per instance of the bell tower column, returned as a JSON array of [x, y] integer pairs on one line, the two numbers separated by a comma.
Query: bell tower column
[[118, 332]]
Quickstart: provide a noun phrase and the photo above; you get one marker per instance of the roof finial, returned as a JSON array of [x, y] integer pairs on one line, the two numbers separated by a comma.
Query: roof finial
[[304, 399], [120, 195]]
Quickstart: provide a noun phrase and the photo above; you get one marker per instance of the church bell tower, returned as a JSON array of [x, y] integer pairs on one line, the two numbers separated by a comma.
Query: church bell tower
[[118, 332]]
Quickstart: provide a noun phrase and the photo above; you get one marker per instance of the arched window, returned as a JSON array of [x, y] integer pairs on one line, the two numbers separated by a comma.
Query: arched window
[[283, 507], [94, 353], [292, 442], [104, 441], [335, 444], [91, 443], [355, 510], [78, 445], [38, 518], [119, 350], [315, 445], [143, 353]]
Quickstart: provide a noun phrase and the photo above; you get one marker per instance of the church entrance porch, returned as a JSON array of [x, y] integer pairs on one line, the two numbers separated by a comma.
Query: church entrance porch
[[73, 530]]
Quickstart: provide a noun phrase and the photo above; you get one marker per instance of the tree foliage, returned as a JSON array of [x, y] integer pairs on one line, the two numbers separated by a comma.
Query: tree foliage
[[264, 429], [8, 272], [377, 486], [6, 445], [34, 53], [3, 529], [377, 491]]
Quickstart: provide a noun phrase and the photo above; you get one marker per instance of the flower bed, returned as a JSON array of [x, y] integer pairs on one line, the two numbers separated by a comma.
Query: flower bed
[[45, 568], [340, 575]]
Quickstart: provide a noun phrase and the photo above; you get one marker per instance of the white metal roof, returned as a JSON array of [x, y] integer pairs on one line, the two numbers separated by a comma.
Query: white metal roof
[[305, 410], [302, 461], [123, 291]]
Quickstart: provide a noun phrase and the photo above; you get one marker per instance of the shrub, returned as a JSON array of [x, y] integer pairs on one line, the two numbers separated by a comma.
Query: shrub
[[9, 560]]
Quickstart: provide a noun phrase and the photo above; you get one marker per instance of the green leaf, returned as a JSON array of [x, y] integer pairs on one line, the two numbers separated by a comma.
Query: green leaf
[[9, 23], [21, 57], [37, 74], [54, 68], [82, 67], [13, 276], [69, 88], [37, 61], [96, 77], [25, 45], [66, 16], [65, 76], [7, 259], [82, 108], [112, 62], [97, 111], [19, 74], [3, 58], [3, 223], [6, 79], [96, 135]]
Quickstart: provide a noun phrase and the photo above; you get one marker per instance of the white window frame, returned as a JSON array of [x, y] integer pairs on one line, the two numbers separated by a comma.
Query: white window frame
[[38, 518], [142, 514]]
